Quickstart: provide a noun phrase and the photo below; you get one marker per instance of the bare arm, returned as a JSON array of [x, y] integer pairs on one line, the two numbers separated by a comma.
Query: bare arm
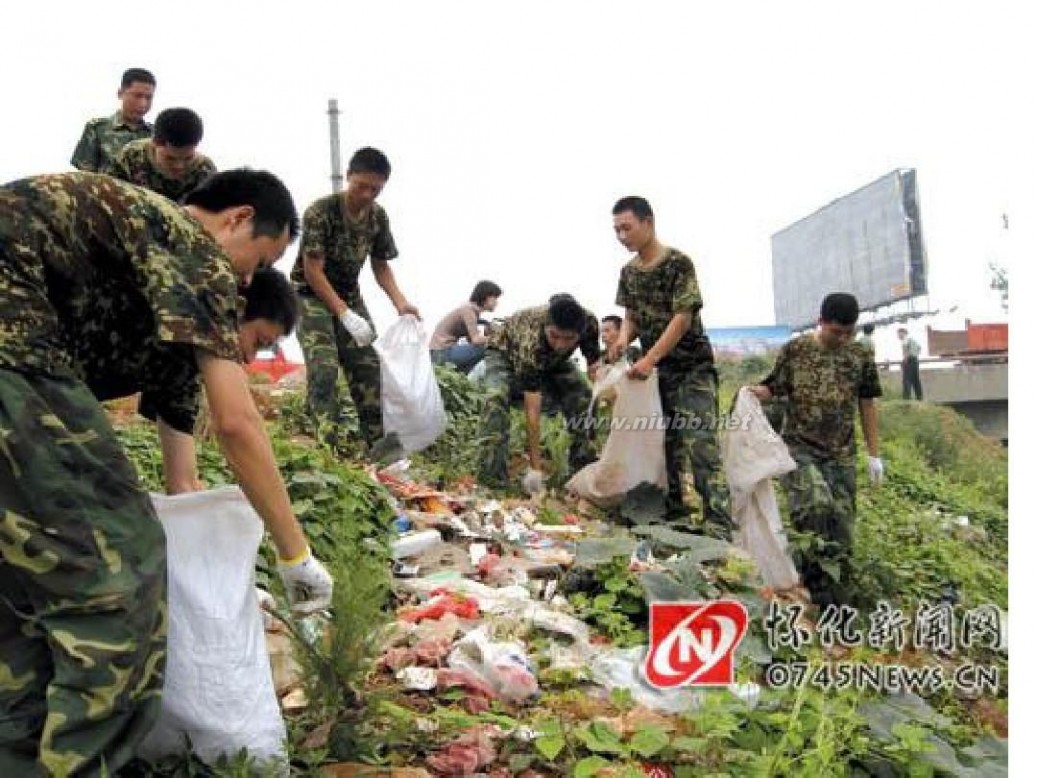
[[471, 323], [387, 280], [313, 271], [179, 464], [679, 324], [870, 425], [532, 402], [244, 441]]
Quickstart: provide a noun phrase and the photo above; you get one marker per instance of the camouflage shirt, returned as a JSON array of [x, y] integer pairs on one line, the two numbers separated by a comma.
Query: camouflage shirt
[[822, 387], [654, 295], [524, 343], [102, 138], [344, 243], [110, 284], [135, 163]]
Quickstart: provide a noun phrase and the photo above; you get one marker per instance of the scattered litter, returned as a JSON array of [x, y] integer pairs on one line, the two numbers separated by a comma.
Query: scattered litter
[[417, 678], [476, 552], [414, 543], [504, 666], [749, 693], [402, 524], [443, 602], [642, 559], [401, 570], [621, 669], [464, 756]]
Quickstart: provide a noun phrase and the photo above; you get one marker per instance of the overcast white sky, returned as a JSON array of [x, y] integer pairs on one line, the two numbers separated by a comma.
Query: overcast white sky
[[512, 128]]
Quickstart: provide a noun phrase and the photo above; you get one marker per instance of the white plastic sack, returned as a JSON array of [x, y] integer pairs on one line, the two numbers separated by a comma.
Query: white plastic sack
[[218, 690], [635, 450], [411, 404], [753, 453]]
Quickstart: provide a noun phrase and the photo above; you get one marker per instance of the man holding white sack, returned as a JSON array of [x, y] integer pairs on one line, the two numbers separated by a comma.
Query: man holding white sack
[[101, 277], [339, 232], [825, 378], [660, 293]]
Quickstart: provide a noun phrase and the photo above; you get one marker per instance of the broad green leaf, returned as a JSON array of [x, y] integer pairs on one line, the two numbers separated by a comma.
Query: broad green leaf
[[589, 767], [691, 745], [649, 740], [550, 746]]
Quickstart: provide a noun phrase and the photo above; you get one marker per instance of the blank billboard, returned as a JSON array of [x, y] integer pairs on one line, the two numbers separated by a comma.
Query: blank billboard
[[868, 243]]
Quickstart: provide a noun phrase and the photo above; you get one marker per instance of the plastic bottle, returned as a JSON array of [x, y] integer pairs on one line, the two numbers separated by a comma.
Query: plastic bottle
[[415, 542]]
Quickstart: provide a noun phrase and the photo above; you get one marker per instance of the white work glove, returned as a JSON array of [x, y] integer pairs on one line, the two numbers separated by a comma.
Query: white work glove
[[307, 583], [875, 469], [533, 482], [357, 326]]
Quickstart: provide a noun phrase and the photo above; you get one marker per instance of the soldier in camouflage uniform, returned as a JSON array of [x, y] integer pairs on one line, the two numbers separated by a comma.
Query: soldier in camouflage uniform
[[661, 296], [339, 232], [530, 353], [168, 163], [268, 310], [102, 287], [825, 378], [103, 137]]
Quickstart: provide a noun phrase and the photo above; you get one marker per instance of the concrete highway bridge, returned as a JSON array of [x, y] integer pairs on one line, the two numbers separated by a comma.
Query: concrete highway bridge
[[974, 385]]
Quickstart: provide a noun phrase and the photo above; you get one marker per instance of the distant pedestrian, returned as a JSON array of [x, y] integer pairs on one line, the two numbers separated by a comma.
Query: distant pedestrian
[[909, 372], [866, 338]]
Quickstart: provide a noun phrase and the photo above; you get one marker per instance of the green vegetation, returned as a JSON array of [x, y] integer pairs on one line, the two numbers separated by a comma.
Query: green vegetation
[[911, 546]]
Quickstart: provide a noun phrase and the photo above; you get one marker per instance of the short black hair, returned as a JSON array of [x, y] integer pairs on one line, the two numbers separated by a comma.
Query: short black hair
[[638, 205], [369, 160], [482, 290], [264, 191], [840, 308], [565, 313], [867, 329], [135, 75], [178, 127], [271, 296], [613, 319]]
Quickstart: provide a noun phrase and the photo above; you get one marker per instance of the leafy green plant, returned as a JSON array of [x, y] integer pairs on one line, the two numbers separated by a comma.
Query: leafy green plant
[[614, 603]]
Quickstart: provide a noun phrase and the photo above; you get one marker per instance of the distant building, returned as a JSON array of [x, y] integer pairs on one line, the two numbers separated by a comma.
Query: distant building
[[747, 341]]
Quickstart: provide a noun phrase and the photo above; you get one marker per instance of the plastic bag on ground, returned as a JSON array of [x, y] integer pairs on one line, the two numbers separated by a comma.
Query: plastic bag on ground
[[620, 668], [219, 689], [503, 665], [635, 450], [753, 453], [412, 407]]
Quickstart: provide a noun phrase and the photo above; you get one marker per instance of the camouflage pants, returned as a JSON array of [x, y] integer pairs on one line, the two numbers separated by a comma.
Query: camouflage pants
[[326, 347], [566, 387], [822, 495], [689, 403], [82, 586]]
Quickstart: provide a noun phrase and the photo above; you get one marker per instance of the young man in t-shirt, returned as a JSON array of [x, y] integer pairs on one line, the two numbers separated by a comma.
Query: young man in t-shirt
[[660, 293], [826, 378]]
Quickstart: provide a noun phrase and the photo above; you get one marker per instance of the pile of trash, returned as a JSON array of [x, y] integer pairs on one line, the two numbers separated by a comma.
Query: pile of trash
[[477, 579]]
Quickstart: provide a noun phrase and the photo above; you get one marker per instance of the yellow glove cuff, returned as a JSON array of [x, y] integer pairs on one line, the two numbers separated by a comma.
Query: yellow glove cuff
[[294, 560]]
